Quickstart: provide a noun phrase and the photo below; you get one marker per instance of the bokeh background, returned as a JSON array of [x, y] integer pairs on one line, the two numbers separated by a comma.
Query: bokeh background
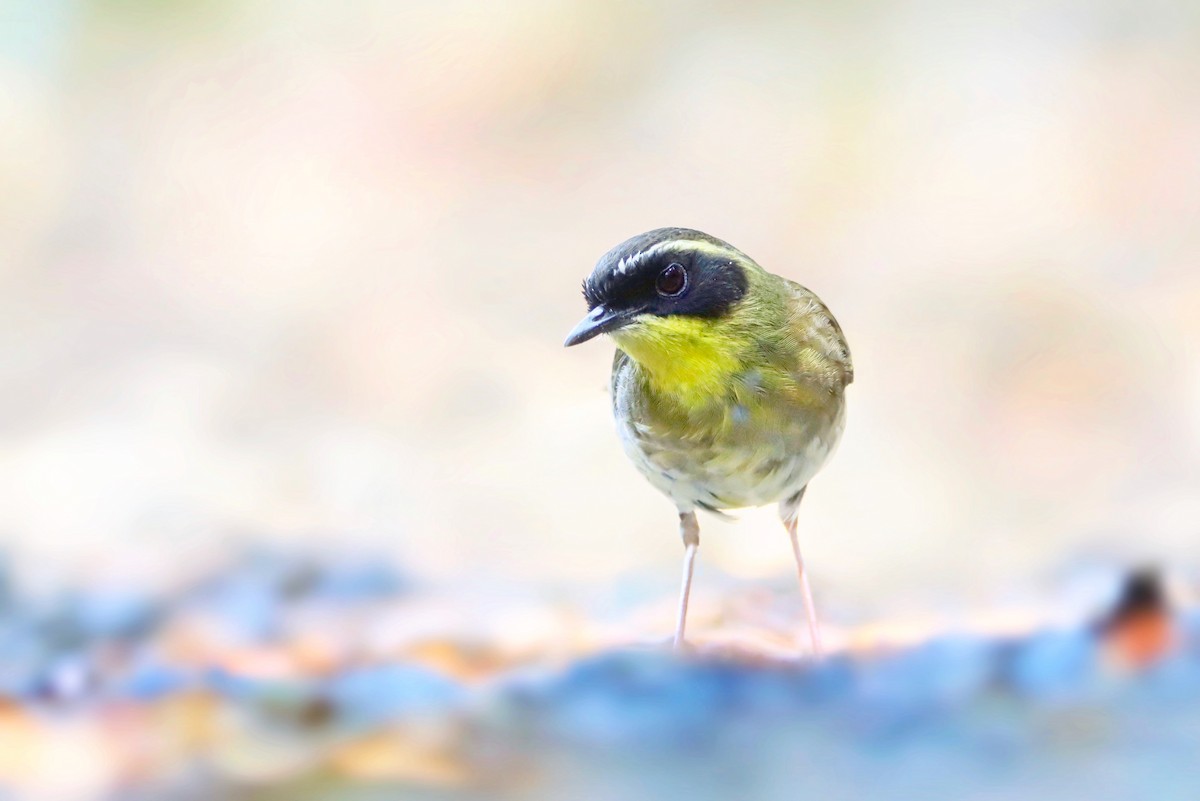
[[302, 271], [299, 273]]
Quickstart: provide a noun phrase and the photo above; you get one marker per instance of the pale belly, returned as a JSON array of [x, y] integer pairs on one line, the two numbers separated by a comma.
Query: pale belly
[[733, 471]]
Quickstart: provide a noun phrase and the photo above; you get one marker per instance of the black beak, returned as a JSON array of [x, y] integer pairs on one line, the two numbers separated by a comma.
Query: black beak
[[598, 321]]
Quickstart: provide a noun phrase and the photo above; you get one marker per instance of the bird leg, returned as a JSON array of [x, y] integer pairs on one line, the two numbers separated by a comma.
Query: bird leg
[[788, 512], [689, 529]]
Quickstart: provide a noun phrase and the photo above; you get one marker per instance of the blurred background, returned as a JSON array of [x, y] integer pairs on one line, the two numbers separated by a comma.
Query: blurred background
[[296, 276], [302, 271]]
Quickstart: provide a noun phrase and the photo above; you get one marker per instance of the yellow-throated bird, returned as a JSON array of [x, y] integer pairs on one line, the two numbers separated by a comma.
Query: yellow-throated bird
[[729, 383]]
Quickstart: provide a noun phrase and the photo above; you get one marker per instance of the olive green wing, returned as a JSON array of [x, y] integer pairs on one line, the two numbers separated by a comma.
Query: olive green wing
[[823, 349]]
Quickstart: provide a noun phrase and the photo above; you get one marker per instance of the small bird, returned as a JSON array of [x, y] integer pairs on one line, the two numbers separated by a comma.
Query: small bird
[[728, 385]]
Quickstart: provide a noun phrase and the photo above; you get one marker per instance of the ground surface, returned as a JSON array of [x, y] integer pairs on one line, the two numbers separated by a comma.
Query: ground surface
[[269, 680]]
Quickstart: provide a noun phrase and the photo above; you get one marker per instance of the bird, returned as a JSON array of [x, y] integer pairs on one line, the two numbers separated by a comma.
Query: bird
[[728, 383]]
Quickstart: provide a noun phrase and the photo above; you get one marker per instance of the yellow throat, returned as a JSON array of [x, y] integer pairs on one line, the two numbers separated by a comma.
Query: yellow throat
[[689, 359]]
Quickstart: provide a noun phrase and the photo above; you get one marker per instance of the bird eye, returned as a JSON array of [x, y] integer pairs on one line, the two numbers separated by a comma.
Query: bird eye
[[672, 280]]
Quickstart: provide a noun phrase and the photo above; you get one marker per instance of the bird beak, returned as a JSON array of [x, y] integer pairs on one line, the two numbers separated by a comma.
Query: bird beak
[[598, 321]]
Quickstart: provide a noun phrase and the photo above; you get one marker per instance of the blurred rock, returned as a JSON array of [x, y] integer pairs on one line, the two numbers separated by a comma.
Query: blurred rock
[[367, 697], [1055, 665]]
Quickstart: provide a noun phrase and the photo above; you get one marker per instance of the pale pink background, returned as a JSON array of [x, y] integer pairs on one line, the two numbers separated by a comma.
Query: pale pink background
[[301, 271]]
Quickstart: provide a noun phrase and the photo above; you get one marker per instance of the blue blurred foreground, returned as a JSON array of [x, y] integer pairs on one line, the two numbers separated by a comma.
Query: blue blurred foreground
[[225, 690]]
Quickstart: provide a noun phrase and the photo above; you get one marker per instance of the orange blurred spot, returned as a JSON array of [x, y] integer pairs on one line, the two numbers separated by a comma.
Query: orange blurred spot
[[1138, 631]]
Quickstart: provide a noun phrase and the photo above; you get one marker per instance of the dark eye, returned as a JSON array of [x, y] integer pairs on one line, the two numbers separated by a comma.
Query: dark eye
[[672, 280]]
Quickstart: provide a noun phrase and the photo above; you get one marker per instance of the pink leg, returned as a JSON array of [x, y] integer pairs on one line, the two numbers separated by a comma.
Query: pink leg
[[787, 512], [689, 529]]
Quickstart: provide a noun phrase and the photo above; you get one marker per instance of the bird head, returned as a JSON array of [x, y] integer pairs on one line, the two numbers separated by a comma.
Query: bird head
[[660, 283]]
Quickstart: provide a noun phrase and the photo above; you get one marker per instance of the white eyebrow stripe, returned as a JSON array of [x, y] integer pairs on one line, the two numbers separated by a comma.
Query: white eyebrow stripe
[[628, 263]]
